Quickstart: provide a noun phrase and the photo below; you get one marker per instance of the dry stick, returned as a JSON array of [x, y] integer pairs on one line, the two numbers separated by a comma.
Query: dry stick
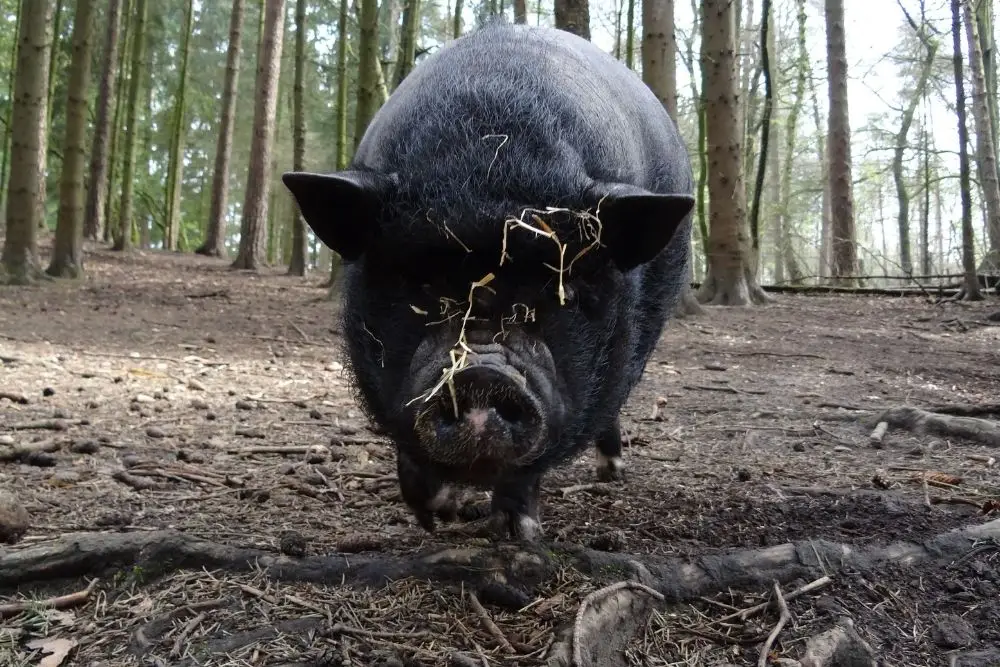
[[19, 451], [879, 432], [785, 617], [175, 652], [488, 623], [341, 629], [59, 602], [744, 614], [45, 424], [14, 398]]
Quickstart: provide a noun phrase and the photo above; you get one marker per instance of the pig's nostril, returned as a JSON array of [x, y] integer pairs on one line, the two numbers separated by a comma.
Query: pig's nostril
[[510, 411]]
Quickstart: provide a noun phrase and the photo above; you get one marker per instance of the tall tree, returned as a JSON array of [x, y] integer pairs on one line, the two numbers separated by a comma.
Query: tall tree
[[573, 16], [766, 44], [367, 99], [407, 40], [114, 152], [520, 11], [731, 278], [985, 147], [630, 36], [341, 145], [51, 70], [175, 167], [137, 70], [12, 67], [253, 226], [214, 244], [659, 49], [785, 249], [659, 73], [844, 245], [67, 254], [970, 289], [930, 46], [93, 216], [456, 21], [27, 162], [297, 262]]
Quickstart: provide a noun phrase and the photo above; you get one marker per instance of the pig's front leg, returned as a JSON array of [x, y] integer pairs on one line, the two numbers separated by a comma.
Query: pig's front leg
[[515, 507], [427, 496]]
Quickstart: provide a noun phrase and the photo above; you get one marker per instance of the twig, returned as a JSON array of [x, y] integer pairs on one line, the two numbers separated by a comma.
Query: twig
[[14, 398], [879, 433], [488, 623], [58, 602], [744, 614], [785, 617], [175, 652], [603, 489], [45, 424], [341, 629]]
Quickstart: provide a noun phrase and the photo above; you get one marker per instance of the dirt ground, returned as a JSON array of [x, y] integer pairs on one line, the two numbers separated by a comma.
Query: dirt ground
[[166, 371]]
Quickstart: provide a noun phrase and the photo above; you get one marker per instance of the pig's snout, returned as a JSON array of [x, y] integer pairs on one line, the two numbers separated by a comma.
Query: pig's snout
[[485, 420]]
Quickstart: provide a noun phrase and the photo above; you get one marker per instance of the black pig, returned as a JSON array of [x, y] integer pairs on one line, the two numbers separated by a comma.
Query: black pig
[[515, 227]]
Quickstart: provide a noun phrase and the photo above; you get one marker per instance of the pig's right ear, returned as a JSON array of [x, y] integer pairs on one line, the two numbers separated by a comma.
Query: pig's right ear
[[341, 208]]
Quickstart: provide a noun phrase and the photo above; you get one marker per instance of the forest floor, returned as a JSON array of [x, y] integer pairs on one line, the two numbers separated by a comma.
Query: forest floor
[[150, 388]]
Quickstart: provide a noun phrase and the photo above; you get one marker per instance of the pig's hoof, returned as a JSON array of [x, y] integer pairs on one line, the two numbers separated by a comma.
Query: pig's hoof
[[519, 527], [609, 468], [443, 506]]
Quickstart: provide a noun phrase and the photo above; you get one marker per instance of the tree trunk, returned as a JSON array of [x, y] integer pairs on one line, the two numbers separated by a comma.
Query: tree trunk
[[253, 226], [573, 16], [456, 21], [520, 11], [971, 287], [214, 244], [12, 66], [731, 278], [766, 43], [297, 261], [984, 18], [367, 75], [659, 48], [143, 227], [786, 250], [659, 73], [27, 162], [822, 141], [67, 254], [51, 69], [137, 70], [93, 215], [175, 168], [925, 218], [630, 36], [407, 40], [903, 213], [341, 122], [985, 146], [114, 159], [844, 248]]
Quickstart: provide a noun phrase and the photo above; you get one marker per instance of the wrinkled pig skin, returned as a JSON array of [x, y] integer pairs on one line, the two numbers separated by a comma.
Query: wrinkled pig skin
[[501, 125]]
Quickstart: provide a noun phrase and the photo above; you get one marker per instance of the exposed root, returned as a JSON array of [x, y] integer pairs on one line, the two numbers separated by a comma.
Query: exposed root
[[782, 621], [841, 645], [159, 552], [919, 421], [607, 619], [59, 602]]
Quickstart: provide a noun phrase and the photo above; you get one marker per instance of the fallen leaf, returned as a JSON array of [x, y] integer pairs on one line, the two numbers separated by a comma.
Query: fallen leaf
[[57, 647]]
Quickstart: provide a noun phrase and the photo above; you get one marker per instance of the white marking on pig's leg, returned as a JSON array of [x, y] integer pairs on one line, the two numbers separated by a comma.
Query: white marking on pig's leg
[[442, 499], [528, 528], [608, 467]]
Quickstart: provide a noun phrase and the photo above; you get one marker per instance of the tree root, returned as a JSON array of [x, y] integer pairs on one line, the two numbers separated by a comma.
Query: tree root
[[921, 422], [840, 645], [161, 552]]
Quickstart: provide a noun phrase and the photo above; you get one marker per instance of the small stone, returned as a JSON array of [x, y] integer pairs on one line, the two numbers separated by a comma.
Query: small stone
[[48, 391], [157, 396], [143, 398], [211, 416], [130, 460], [334, 366], [244, 405], [84, 447], [14, 519], [348, 429], [145, 414], [841, 448], [951, 631], [6, 440], [292, 543], [156, 432], [250, 432], [199, 404], [92, 405], [64, 478], [194, 384], [190, 457], [799, 447], [716, 366], [210, 340], [613, 541], [318, 454], [315, 414]]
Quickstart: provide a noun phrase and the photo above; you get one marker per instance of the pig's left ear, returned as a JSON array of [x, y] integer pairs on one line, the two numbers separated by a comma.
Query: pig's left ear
[[341, 208], [637, 224]]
